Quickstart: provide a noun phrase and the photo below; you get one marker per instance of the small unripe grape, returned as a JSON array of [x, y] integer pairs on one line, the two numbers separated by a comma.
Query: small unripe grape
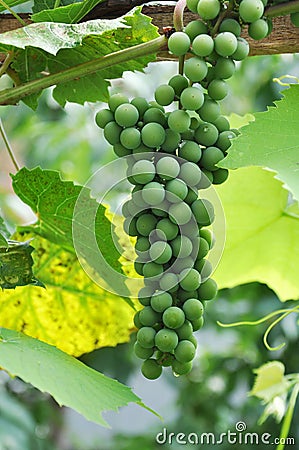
[[208, 236], [205, 268], [126, 115], [190, 151], [220, 176], [195, 69], [181, 246], [153, 135], [181, 368], [112, 132], [203, 212], [161, 301], [146, 337], [148, 317], [208, 9], [225, 43], [193, 309], [190, 173], [153, 193], [185, 351], [192, 98], [179, 121], [176, 190], [130, 138], [251, 10], [203, 45], [160, 252], [169, 228], [210, 110], [173, 317], [121, 151], [156, 235], [204, 249], [178, 83], [179, 43], [164, 94], [103, 117], [242, 50], [224, 140], [180, 213], [230, 25], [210, 157], [217, 89], [207, 290], [145, 224], [206, 134], [143, 171], [141, 104], [195, 27], [222, 124], [136, 320], [225, 68], [151, 369], [168, 168], [154, 115], [192, 5], [166, 340], [258, 29], [185, 331], [151, 269], [197, 324], [169, 282], [115, 100], [144, 295], [192, 195], [190, 279], [141, 352], [172, 140]]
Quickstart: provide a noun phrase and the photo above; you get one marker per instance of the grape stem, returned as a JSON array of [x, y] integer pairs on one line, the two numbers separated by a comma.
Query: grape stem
[[282, 9], [178, 15], [8, 147], [224, 13]]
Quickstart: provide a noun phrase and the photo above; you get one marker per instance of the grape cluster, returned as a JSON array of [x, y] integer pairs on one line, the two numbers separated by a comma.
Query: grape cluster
[[174, 144]]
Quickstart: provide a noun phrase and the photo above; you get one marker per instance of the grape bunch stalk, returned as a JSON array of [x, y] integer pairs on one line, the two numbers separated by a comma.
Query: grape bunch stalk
[[173, 145]]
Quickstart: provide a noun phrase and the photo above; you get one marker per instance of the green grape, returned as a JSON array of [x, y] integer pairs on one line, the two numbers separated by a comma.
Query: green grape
[[154, 115], [178, 83], [222, 124], [166, 340], [176, 190], [166, 359], [116, 100], [141, 352], [181, 264], [157, 235], [203, 45], [154, 104], [151, 269], [172, 140], [190, 151], [185, 351], [208, 236], [130, 138], [179, 213], [150, 369], [242, 50], [181, 246], [125, 208], [204, 267], [179, 43], [258, 29], [197, 324], [210, 157], [204, 249], [173, 317], [191, 196], [190, 279], [138, 266], [146, 337], [144, 295], [190, 173], [160, 252], [141, 104], [208, 9], [148, 317], [126, 115], [203, 212], [230, 25], [178, 121], [103, 117], [161, 210], [140, 152], [195, 121], [161, 301], [295, 19], [121, 151], [179, 368], [225, 68], [206, 134], [153, 193], [195, 27], [224, 140], [210, 110], [169, 282], [112, 133], [164, 94], [192, 98], [130, 227], [145, 224], [153, 135], [225, 43], [207, 290], [192, 5], [169, 228], [195, 69], [168, 168], [185, 331], [143, 171], [188, 135], [220, 176], [193, 340], [137, 198], [217, 89], [136, 320], [193, 309], [185, 295], [251, 10]]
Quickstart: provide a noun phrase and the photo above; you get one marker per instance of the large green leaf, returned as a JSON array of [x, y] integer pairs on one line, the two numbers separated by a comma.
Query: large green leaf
[[68, 380], [65, 13], [271, 141], [11, 3], [262, 233]]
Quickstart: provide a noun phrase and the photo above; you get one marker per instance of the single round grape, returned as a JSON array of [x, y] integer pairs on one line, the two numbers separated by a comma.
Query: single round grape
[[166, 359], [195, 69], [130, 138], [188, 134], [217, 89], [190, 279], [210, 110], [190, 151], [206, 134], [178, 121], [225, 43], [180, 213], [207, 290], [141, 104], [179, 43], [204, 249], [115, 100], [220, 176], [169, 228], [130, 227], [161, 210], [138, 267], [126, 115], [103, 117], [136, 320], [141, 352], [210, 157], [193, 340], [203, 212], [151, 269], [195, 27], [176, 190], [181, 246], [203, 45], [258, 29], [185, 351], [178, 83], [205, 268], [148, 317], [112, 133], [208, 9], [172, 139], [138, 200], [206, 179], [251, 10], [193, 309], [153, 193], [185, 331], [145, 224], [242, 50], [144, 295], [192, 98], [166, 340], [208, 236], [197, 324], [168, 168], [153, 135], [146, 337], [179, 368], [192, 5], [224, 140], [160, 252], [222, 124], [231, 25], [164, 94], [173, 317], [225, 68], [120, 150], [191, 196], [190, 173], [295, 19], [154, 115], [143, 171], [150, 369], [161, 301], [169, 282]]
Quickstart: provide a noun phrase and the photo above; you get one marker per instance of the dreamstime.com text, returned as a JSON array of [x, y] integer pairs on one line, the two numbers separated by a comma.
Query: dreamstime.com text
[[237, 436]]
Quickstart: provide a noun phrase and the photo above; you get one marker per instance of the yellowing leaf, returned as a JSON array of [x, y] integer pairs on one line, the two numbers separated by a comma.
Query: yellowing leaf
[[270, 381]]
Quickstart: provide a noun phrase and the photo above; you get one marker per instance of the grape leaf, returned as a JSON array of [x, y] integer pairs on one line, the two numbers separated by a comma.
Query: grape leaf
[[262, 241], [72, 313], [66, 13], [11, 3], [270, 381], [4, 234], [41, 5], [271, 141], [68, 380]]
